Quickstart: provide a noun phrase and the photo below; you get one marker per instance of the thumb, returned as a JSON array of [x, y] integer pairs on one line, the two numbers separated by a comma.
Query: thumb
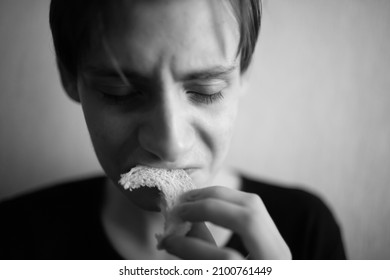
[[201, 231]]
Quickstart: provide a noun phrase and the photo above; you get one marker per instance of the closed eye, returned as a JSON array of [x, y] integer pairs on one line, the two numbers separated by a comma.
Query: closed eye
[[203, 98], [117, 95]]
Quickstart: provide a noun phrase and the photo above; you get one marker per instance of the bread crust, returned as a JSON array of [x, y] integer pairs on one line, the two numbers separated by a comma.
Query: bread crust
[[172, 183]]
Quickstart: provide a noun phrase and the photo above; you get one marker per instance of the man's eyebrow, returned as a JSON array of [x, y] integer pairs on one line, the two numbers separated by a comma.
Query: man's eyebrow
[[219, 72]]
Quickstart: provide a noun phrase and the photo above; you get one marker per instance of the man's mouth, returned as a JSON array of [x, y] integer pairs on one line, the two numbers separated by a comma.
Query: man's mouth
[[188, 169]]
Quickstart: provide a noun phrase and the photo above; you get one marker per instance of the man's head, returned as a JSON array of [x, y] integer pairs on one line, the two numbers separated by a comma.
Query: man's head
[[159, 80], [74, 24]]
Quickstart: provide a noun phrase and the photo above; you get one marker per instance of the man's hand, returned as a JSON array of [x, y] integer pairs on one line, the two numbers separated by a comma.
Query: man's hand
[[243, 213]]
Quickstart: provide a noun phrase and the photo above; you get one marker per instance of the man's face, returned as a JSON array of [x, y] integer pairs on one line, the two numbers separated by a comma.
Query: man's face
[[161, 88]]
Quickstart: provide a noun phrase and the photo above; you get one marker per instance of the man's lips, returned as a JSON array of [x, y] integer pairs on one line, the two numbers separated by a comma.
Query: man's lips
[[188, 169]]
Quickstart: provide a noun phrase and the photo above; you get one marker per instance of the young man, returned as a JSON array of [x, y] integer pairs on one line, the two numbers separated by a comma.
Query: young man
[[159, 82]]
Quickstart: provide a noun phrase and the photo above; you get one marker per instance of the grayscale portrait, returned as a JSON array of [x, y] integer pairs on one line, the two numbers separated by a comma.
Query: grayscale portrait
[[194, 129]]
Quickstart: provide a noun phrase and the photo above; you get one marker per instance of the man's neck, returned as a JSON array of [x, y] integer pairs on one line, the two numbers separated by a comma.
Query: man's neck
[[130, 229]]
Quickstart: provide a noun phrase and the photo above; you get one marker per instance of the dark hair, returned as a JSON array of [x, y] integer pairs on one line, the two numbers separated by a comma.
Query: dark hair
[[71, 22]]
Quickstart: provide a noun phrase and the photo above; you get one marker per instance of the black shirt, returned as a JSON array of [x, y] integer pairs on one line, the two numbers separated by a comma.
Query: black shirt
[[63, 222]]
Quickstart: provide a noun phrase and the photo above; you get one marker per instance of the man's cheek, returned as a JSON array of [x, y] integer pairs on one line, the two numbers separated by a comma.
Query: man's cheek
[[103, 136], [226, 128]]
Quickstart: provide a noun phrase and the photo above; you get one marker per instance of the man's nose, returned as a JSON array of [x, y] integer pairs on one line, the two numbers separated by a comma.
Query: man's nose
[[166, 131]]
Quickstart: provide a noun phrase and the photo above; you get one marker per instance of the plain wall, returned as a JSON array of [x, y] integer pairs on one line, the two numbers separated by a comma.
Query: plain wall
[[316, 114]]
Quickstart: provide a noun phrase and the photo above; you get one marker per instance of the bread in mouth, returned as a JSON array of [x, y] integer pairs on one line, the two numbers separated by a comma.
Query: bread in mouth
[[172, 183]]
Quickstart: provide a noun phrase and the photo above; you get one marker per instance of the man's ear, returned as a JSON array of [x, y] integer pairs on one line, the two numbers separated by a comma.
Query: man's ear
[[69, 82]]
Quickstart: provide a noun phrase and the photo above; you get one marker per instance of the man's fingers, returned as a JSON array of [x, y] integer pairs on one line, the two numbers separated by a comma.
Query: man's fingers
[[201, 231], [253, 224], [243, 213], [216, 211], [217, 192]]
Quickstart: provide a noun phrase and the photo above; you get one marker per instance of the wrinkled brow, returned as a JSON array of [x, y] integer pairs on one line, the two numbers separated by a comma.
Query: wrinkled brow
[[218, 72]]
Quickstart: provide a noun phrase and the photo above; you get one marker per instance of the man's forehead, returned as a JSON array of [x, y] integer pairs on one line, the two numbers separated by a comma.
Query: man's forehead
[[188, 35]]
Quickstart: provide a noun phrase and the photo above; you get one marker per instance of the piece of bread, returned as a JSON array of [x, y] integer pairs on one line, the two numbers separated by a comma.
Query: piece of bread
[[172, 184]]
